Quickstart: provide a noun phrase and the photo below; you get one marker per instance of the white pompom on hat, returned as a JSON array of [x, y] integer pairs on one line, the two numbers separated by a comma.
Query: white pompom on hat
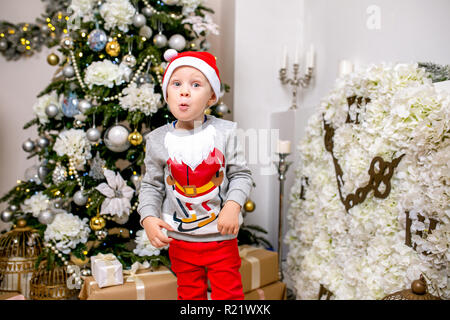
[[203, 61]]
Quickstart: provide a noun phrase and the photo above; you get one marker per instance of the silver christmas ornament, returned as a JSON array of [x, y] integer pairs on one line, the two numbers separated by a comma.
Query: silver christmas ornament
[[7, 215], [129, 60], [59, 174], [13, 207], [80, 198], [68, 71], [121, 220], [160, 40], [46, 217], [116, 138], [3, 45], [43, 142], [77, 123], [222, 108], [31, 174], [86, 272], [51, 111], [177, 42], [139, 20], [97, 40], [147, 11], [143, 79], [84, 105], [28, 145], [42, 172], [146, 32], [93, 134]]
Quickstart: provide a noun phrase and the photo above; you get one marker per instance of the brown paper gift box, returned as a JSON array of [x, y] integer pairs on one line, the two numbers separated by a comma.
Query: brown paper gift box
[[273, 291], [160, 284], [259, 267]]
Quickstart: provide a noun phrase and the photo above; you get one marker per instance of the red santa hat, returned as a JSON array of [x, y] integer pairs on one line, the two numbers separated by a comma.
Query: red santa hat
[[203, 61]]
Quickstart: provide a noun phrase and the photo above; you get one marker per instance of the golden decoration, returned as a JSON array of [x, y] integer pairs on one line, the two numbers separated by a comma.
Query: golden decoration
[[50, 284], [249, 206], [113, 48], [135, 138], [52, 59], [78, 261], [97, 223], [19, 250], [418, 291], [208, 111]]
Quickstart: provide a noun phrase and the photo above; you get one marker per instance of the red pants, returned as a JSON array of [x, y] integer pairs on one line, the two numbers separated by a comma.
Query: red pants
[[193, 262]]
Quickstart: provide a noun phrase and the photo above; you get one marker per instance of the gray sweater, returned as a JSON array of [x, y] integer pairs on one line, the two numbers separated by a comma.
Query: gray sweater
[[190, 174]]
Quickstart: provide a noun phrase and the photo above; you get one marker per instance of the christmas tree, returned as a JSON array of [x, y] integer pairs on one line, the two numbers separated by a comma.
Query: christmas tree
[[92, 120]]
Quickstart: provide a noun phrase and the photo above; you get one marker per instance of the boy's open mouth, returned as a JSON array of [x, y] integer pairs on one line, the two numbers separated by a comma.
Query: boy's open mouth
[[183, 106]]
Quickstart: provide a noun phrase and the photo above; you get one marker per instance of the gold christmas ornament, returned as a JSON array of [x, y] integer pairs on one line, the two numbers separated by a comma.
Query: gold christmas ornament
[[52, 59], [135, 138], [249, 206], [97, 223], [113, 48]]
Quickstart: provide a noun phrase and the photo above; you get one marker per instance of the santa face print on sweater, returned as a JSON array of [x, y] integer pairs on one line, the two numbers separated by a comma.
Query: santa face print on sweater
[[195, 175]]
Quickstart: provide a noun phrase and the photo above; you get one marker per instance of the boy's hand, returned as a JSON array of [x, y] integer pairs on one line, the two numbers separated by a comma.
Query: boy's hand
[[228, 222], [153, 226]]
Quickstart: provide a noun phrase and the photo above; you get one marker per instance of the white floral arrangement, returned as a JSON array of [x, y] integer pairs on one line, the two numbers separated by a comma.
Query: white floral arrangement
[[143, 245], [202, 24], [361, 254], [36, 204], [75, 145], [42, 103], [143, 99], [82, 9], [67, 231], [105, 73], [117, 13]]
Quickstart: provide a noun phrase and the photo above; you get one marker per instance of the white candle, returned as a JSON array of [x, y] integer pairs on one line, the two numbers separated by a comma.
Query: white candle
[[296, 54], [284, 65], [284, 146], [310, 57], [345, 67]]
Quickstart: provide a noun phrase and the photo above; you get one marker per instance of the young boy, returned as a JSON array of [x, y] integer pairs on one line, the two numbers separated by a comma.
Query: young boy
[[196, 182]]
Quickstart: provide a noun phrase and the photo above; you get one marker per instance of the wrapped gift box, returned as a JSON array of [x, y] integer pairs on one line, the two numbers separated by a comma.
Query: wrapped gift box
[[147, 284], [107, 270], [273, 291], [259, 267]]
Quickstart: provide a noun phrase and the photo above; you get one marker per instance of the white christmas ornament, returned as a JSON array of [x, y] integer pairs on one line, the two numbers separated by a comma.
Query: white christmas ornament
[[116, 138], [118, 195], [177, 42], [170, 54]]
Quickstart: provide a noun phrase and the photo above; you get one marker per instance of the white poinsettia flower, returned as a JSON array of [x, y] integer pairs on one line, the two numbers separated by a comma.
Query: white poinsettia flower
[[141, 98], [118, 195]]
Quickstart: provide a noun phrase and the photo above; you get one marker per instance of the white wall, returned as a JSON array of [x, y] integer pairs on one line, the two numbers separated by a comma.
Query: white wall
[[20, 83]]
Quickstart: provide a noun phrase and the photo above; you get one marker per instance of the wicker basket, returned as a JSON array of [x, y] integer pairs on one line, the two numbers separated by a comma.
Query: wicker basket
[[50, 284], [19, 250]]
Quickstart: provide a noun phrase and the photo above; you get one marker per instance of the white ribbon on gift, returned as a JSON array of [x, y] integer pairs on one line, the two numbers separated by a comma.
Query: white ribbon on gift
[[255, 265], [133, 277]]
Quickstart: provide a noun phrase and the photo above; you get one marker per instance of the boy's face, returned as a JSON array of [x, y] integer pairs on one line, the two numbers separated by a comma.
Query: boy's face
[[188, 95]]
